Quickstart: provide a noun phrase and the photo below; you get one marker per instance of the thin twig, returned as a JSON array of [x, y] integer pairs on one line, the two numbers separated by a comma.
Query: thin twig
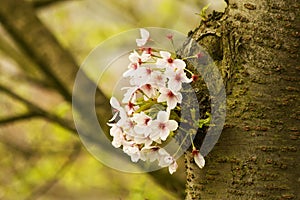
[[17, 118], [40, 111], [26, 28], [45, 3]]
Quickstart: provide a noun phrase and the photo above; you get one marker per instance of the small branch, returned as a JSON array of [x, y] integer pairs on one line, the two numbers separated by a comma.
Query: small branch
[[15, 148], [36, 193], [40, 111], [30, 105], [19, 19], [16, 118], [45, 3]]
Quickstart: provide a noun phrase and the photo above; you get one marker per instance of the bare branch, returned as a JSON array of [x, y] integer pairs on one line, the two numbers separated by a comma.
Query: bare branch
[[45, 3], [39, 44], [8, 47], [16, 118], [40, 111]]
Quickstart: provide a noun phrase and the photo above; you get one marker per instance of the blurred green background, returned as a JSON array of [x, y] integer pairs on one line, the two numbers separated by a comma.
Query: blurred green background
[[42, 160]]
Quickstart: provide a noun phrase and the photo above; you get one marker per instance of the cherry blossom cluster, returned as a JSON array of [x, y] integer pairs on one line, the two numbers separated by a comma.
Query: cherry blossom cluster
[[146, 117]]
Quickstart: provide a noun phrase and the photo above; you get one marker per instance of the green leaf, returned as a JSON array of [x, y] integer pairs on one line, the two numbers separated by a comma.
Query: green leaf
[[205, 122], [203, 14]]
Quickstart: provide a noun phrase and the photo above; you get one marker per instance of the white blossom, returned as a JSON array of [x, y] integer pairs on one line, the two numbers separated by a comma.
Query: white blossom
[[118, 110], [135, 61], [149, 90], [169, 63], [162, 126], [164, 158], [173, 167], [118, 137], [145, 35], [198, 158], [176, 78], [169, 96], [158, 79], [133, 151], [131, 91], [141, 122], [150, 152], [142, 76]]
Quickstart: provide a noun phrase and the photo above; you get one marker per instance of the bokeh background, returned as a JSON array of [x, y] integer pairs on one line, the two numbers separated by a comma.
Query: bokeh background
[[43, 160]]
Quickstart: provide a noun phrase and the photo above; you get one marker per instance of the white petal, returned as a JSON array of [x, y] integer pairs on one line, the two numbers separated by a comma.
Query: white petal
[[128, 94], [145, 56], [134, 57], [180, 64], [179, 97], [113, 117], [154, 136], [164, 134], [140, 42], [160, 63], [140, 118], [171, 102], [144, 33], [129, 72], [173, 167], [174, 85], [185, 79], [162, 98], [135, 157], [114, 103], [165, 161], [163, 152], [162, 116], [165, 54], [116, 143], [172, 125], [199, 159], [148, 142], [139, 129]]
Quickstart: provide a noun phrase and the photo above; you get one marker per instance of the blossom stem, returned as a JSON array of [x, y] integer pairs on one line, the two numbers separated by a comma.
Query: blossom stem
[[143, 93], [195, 56], [188, 71], [192, 141], [146, 106], [172, 42], [182, 140]]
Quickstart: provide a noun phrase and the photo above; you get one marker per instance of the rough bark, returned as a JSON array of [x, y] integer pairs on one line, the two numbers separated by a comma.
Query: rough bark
[[256, 47]]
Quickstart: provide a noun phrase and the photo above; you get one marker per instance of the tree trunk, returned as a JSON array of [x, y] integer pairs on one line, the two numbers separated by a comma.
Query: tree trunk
[[56, 64], [256, 47]]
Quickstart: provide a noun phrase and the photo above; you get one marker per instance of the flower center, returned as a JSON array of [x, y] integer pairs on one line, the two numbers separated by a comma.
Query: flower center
[[148, 86], [170, 94], [134, 66], [162, 126], [140, 61], [147, 121], [149, 71], [149, 50], [195, 77], [195, 152], [159, 78], [178, 77], [170, 60], [130, 105]]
